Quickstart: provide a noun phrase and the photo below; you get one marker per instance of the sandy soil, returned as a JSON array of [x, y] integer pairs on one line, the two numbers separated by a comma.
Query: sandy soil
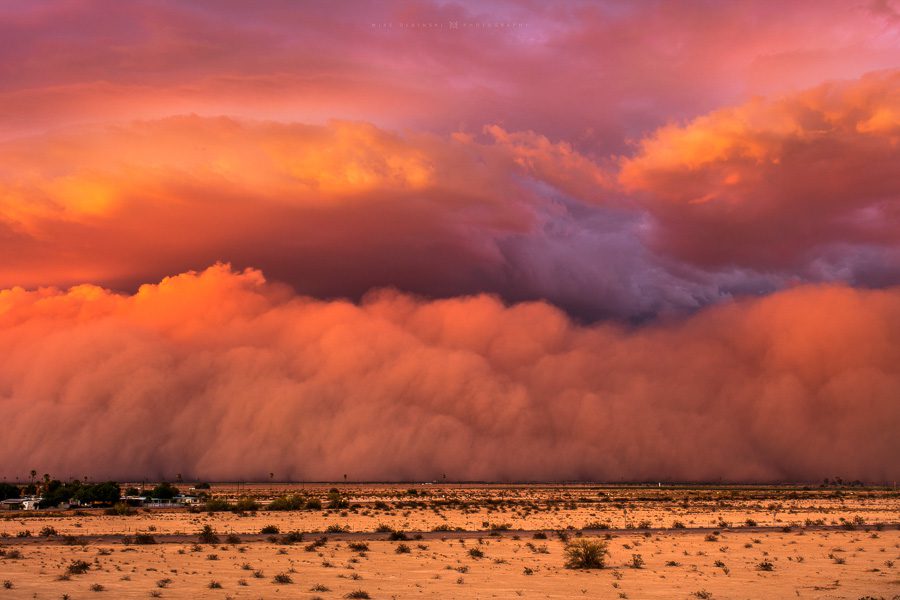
[[806, 562]]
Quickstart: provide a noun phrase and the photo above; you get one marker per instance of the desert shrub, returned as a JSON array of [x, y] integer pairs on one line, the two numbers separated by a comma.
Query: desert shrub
[[7, 584], [48, 531], [336, 500], [208, 535], [586, 554], [703, 595], [397, 536], [402, 549], [358, 546], [637, 561], [292, 502], [766, 565], [476, 553], [540, 535], [120, 509], [214, 585], [270, 529], [292, 537], [97, 587], [335, 528], [750, 523], [78, 567], [319, 588], [677, 525], [144, 539], [73, 540], [358, 594], [246, 505], [216, 505], [232, 539], [282, 578], [313, 504], [316, 544]]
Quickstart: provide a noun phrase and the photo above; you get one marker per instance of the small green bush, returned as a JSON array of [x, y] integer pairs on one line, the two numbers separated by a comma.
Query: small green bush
[[586, 554], [208, 535]]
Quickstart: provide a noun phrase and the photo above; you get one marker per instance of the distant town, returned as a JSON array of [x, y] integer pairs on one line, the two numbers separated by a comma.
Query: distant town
[[53, 493]]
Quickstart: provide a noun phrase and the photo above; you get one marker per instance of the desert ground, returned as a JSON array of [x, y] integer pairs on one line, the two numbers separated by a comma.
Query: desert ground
[[467, 541]]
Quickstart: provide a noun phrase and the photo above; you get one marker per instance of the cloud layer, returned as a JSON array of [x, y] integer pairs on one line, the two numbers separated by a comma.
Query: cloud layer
[[334, 210], [745, 199], [221, 375], [627, 240], [770, 184]]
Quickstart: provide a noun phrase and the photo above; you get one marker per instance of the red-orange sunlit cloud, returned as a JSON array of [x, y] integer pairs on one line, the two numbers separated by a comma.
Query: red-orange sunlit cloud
[[530, 241]]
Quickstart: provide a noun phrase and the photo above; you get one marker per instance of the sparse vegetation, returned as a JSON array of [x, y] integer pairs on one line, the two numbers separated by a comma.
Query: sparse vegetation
[[78, 567], [282, 578], [586, 554], [208, 535], [291, 502]]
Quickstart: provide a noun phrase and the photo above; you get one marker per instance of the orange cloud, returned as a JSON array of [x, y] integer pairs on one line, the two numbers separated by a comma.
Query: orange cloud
[[222, 375], [768, 183], [340, 208]]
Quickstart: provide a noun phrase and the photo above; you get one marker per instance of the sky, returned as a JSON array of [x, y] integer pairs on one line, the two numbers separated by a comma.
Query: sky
[[612, 241]]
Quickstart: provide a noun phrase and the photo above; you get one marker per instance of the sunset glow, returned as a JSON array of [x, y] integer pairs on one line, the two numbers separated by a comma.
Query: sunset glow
[[616, 241]]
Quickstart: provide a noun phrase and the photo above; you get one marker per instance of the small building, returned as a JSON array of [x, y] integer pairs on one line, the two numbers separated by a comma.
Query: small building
[[11, 504], [26, 503]]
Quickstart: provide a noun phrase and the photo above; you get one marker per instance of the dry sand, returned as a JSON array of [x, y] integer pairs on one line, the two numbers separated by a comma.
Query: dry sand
[[841, 560]]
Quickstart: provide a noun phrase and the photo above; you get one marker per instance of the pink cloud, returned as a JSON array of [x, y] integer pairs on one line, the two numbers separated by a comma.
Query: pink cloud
[[769, 183]]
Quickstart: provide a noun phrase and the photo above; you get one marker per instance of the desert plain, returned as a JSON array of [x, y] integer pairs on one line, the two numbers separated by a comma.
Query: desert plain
[[465, 541]]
